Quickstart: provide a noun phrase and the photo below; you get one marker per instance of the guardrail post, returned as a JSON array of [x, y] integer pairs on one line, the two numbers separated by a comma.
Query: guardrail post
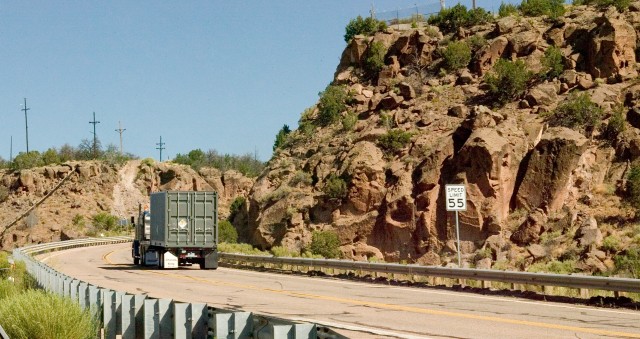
[[119, 311], [73, 289], [109, 314], [231, 325], [305, 331], [95, 300], [157, 318], [138, 301], [83, 297], [151, 319], [128, 317]]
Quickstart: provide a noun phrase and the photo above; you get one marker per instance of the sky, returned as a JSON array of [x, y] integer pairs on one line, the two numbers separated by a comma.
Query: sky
[[213, 75]]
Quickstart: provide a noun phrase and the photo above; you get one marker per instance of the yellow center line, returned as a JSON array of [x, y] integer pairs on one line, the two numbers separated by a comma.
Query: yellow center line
[[394, 306]]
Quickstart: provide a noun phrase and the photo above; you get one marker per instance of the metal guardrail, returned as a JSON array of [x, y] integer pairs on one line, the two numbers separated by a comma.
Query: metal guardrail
[[523, 278], [3, 334], [138, 316]]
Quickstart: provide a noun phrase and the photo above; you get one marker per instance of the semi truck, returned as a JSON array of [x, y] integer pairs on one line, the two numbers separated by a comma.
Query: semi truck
[[179, 228]]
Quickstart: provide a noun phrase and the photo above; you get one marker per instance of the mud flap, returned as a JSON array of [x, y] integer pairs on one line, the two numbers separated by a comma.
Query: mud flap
[[211, 260]]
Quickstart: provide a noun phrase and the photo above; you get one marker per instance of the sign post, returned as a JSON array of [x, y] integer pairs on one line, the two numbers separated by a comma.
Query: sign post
[[456, 199]]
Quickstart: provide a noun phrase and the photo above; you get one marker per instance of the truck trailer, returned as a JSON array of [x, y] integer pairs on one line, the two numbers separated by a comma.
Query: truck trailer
[[179, 228]]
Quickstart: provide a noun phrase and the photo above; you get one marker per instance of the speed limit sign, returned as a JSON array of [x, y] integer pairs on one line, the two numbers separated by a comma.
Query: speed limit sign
[[456, 197]]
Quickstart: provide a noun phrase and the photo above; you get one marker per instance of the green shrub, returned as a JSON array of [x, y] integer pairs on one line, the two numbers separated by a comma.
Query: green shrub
[[368, 26], [301, 177], [50, 156], [148, 162], [554, 266], [281, 137], [507, 9], [476, 42], [394, 140], [332, 103], [227, 233], [633, 186], [577, 112], [27, 160], [236, 207], [457, 55], [335, 187], [195, 159], [551, 8], [281, 251], [4, 193], [240, 248], [552, 62], [614, 127], [451, 19], [325, 243], [349, 121], [621, 5], [78, 221], [611, 244], [629, 262], [105, 222], [374, 59], [478, 16], [36, 314], [508, 81]]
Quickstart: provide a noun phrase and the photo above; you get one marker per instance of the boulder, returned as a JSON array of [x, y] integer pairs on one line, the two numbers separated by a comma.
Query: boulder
[[549, 168], [406, 91], [530, 230], [488, 55], [524, 43], [611, 49], [588, 232], [543, 94], [537, 251], [391, 101], [353, 54]]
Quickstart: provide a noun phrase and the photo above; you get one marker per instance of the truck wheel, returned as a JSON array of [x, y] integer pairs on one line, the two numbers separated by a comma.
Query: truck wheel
[[136, 261], [201, 263], [160, 260]]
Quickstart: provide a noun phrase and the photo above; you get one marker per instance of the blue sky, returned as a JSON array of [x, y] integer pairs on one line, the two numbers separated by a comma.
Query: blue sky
[[223, 75]]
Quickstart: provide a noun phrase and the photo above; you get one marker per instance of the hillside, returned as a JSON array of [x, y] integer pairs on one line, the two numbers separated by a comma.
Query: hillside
[[541, 191], [538, 117], [87, 189]]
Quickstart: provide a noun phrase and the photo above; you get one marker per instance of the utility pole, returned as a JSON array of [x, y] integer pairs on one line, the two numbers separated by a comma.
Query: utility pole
[[474, 4], [120, 130], [442, 5], [26, 125], [372, 12], [11, 150], [160, 144], [95, 137]]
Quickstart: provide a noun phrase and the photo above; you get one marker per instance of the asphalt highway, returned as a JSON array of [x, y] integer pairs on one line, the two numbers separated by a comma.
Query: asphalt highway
[[362, 310]]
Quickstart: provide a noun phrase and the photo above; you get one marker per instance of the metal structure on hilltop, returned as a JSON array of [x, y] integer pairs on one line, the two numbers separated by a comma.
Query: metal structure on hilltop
[[120, 130], [95, 139], [160, 147], [26, 124]]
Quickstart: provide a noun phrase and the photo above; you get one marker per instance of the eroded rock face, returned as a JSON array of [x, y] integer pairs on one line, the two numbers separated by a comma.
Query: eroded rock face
[[612, 49], [549, 168]]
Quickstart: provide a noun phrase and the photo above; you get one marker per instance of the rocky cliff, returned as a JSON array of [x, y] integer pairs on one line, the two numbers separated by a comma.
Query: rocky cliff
[[534, 191]]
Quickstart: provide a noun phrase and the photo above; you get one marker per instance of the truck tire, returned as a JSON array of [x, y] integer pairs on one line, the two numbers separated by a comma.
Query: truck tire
[[160, 260], [201, 263], [136, 261]]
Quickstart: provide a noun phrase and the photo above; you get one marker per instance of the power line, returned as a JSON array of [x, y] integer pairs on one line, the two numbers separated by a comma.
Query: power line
[[26, 124], [160, 144], [95, 138], [120, 130]]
